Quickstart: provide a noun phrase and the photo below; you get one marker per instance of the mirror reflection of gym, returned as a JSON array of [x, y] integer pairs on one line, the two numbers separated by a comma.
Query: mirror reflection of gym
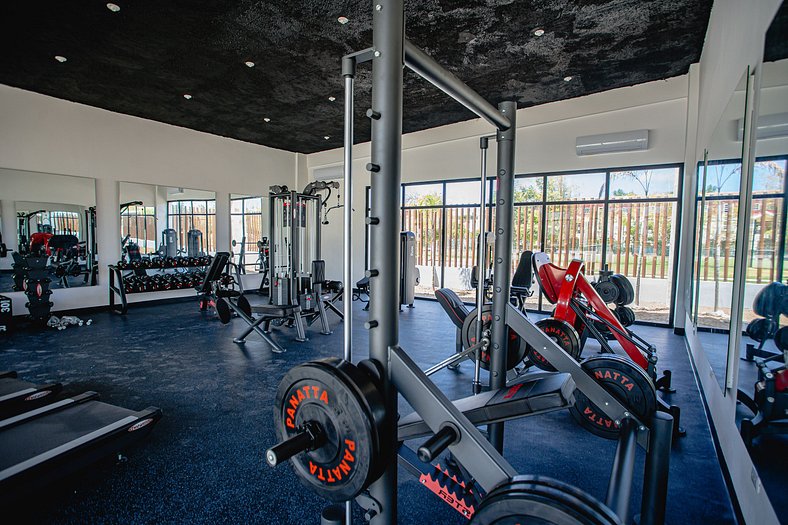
[[51, 216], [717, 202]]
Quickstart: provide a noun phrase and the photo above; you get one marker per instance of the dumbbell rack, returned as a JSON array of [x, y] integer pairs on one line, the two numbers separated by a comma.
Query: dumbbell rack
[[118, 302]]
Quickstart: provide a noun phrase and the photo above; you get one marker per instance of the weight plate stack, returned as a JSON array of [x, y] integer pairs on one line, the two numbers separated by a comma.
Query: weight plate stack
[[517, 346], [563, 334], [348, 408], [539, 500], [627, 382], [607, 290], [781, 338], [626, 294], [625, 315]]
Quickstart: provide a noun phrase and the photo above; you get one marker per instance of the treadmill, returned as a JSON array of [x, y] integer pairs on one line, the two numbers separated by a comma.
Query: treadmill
[[17, 396], [55, 440]]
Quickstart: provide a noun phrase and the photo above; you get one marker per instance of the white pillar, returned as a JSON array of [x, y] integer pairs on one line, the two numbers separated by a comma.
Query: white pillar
[[9, 224], [223, 233], [107, 227]]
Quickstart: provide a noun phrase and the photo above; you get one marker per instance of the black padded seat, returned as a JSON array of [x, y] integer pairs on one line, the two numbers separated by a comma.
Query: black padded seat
[[272, 310], [453, 305], [228, 293], [523, 275]]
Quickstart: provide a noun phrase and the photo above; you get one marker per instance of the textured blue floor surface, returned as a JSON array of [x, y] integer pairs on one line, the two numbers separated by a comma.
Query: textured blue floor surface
[[204, 463]]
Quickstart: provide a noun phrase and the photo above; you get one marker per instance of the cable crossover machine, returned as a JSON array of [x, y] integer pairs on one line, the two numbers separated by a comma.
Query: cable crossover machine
[[338, 422]]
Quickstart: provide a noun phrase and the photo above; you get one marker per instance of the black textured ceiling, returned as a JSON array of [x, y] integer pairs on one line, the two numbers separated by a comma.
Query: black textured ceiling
[[142, 59]]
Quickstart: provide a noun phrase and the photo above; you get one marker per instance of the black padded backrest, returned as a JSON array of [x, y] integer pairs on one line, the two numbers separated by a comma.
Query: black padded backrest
[[218, 264], [453, 305], [523, 275], [474, 276], [318, 271], [768, 302]]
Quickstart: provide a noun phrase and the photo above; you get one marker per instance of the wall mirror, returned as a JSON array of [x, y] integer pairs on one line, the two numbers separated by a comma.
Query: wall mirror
[[52, 216], [166, 221], [719, 179], [762, 359]]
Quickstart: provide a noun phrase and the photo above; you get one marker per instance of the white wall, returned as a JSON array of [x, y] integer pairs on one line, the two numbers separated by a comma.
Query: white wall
[[545, 142], [44, 134]]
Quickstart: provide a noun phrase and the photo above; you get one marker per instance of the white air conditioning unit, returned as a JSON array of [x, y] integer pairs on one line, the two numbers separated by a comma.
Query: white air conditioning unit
[[329, 173], [612, 142], [769, 126]]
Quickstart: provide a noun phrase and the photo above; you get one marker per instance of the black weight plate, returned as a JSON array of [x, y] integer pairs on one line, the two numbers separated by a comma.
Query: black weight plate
[[627, 382], [223, 309], [625, 315], [607, 290], [368, 392], [342, 468], [781, 338], [243, 304], [626, 294], [538, 500], [517, 347], [563, 334], [761, 329]]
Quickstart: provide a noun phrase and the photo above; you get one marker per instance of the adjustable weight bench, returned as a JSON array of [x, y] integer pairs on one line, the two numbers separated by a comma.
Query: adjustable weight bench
[[456, 311], [217, 288]]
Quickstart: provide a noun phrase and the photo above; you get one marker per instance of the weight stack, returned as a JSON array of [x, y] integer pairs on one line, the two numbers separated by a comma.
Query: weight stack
[[37, 289], [6, 315]]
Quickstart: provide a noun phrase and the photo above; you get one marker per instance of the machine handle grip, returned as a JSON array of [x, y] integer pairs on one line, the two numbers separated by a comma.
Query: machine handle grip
[[439, 442], [309, 438]]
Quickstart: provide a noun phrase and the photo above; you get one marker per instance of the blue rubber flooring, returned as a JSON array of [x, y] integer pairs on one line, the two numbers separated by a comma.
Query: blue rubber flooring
[[204, 462]]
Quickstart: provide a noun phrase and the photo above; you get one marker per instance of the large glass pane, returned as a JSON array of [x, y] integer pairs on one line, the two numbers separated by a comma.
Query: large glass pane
[[465, 193], [462, 232], [580, 186], [640, 240], [426, 225], [423, 195], [574, 231], [528, 189], [237, 206], [657, 183], [717, 252]]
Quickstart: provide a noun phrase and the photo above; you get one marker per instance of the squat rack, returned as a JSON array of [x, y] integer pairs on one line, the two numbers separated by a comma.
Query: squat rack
[[482, 458]]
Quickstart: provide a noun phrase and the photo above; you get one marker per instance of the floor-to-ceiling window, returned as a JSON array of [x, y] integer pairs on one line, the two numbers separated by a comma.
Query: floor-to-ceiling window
[[246, 223], [622, 218]]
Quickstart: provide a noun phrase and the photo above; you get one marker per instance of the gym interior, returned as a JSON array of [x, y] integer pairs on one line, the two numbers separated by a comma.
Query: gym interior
[[394, 262]]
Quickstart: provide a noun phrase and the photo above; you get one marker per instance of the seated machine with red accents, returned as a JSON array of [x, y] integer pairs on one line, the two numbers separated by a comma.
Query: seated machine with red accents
[[581, 311]]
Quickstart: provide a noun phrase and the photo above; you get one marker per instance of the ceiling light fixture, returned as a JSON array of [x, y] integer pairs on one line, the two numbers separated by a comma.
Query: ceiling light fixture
[[539, 32], [187, 96], [267, 119], [332, 99], [249, 63], [326, 137], [568, 78], [113, 7], [343, 20], [60, 58]]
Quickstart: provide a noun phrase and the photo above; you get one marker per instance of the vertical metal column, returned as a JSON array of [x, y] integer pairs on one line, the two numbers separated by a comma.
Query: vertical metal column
[[655, 476], [619, 489], [348, 73], [388, 25], [504, 205], [481, 263]]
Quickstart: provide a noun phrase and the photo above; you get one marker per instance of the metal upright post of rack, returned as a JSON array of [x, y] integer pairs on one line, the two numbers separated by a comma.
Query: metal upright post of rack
[[388, 27], [481, 264], [501, 267]]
